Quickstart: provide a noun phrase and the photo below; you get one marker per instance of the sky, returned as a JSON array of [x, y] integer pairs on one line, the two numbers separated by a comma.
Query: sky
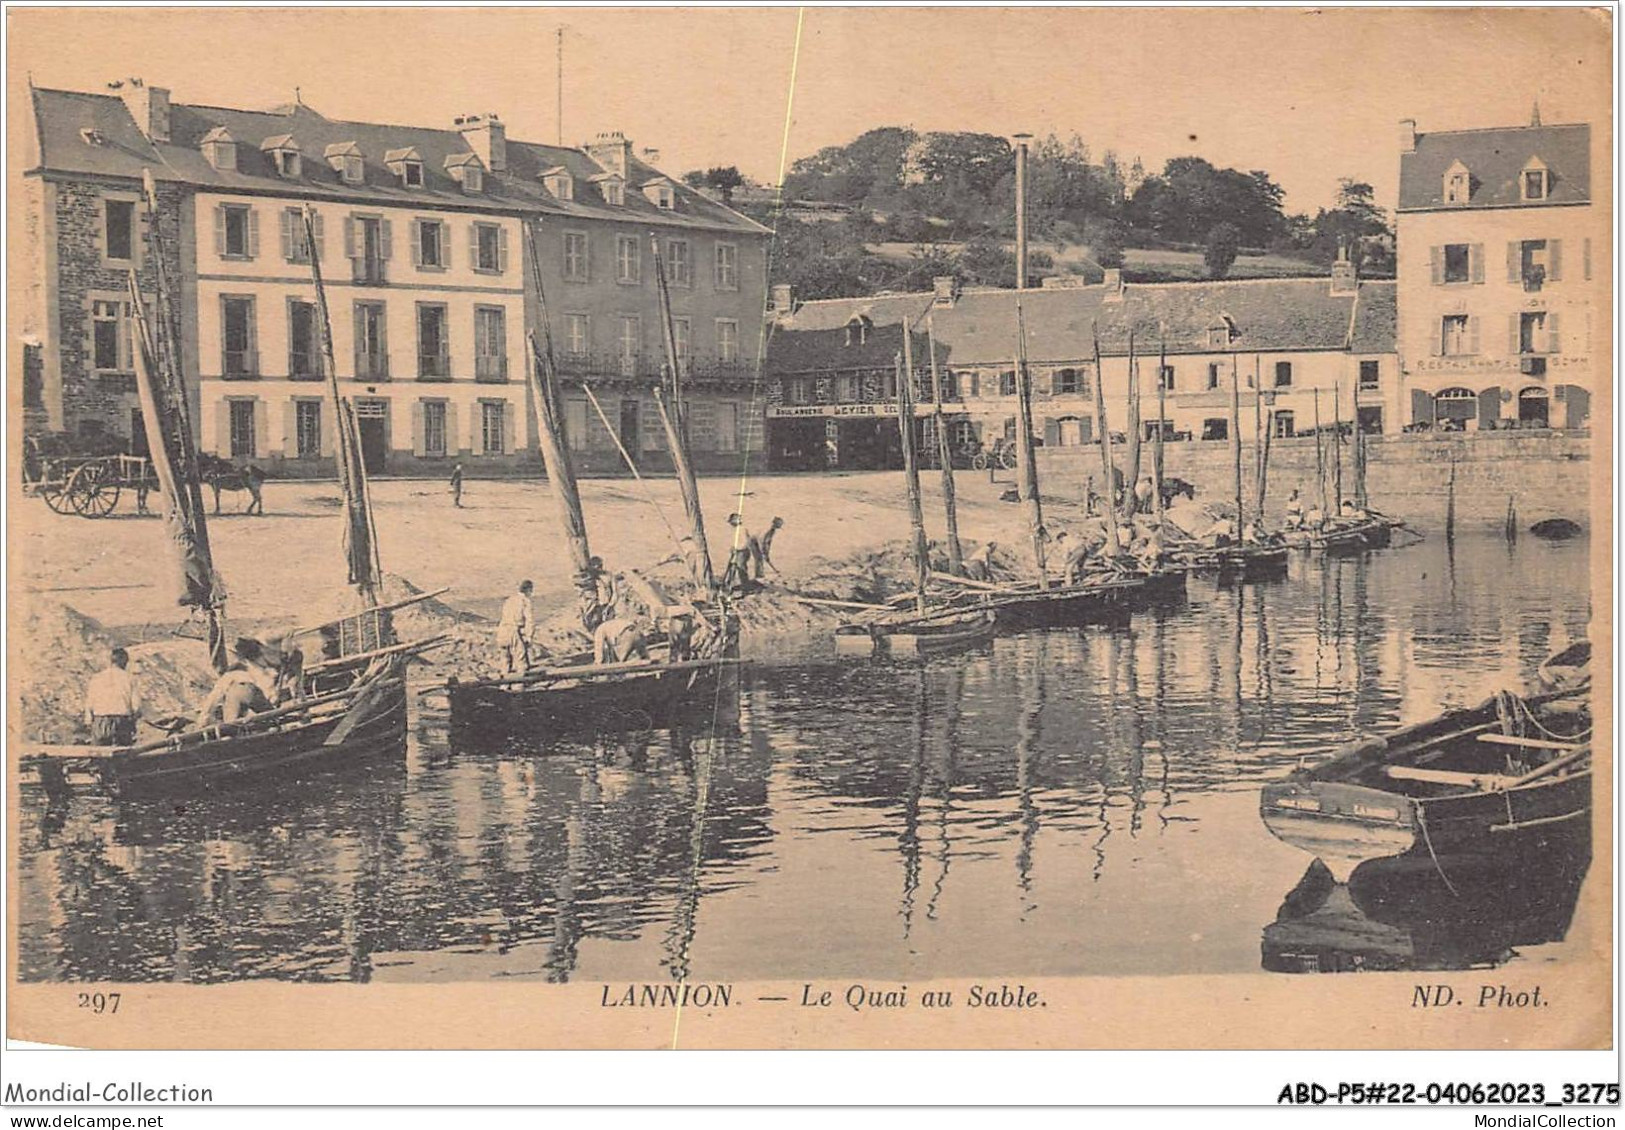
[[1309, 95]]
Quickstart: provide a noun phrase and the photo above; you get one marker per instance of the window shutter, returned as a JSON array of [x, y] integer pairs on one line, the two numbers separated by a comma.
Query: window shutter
[[417, 243], [1554, 260], [222, 428], [288, 244], [350, 251], [262, 429], [510, 427], [1052, 432], [253, 338], [420, 446], [1512, 335], [502, 250], [1514, 262], [1554, 335], [454, 443], [290, 425], [1585, 259], [473, 247], [317, 224], [1436, 259], [386, 239], [1421, 406], [253, 233], [329, 429], [1472, 335], [1478, 262], [220, 230]]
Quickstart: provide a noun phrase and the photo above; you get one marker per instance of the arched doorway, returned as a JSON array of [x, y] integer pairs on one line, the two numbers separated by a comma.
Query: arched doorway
[[1534, 408], [1453, 407]]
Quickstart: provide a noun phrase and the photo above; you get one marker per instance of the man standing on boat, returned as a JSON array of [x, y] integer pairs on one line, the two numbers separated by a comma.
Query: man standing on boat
[[246, 687], [514, 628], [113, 702], [598, 594], [619, 641], [1294, 512]]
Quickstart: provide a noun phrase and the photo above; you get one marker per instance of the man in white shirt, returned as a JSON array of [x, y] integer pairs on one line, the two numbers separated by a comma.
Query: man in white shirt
[[515, 626], [246, 687], [113, 702]]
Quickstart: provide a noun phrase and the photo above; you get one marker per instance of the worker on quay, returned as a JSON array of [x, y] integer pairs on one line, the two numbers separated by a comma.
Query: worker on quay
[[457, 485], [1294, 512], [743, 558], [247, 687], [1144, 490], [766, 546], [113, 702], [619, 640], [979, 565], [514, 628]]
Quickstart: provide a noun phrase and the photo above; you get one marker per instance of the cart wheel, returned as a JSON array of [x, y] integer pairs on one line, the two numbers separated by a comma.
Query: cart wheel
[[1008, 460], [978, 461], [56, 498], [94, 490]]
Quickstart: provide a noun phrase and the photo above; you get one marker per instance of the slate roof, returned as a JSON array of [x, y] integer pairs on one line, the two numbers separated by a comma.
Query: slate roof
[[1268, 315], [60, 115], [1494, 158], [828, 351]]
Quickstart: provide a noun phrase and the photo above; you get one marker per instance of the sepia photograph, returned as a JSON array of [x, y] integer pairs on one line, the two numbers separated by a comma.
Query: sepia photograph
[[768, 528]]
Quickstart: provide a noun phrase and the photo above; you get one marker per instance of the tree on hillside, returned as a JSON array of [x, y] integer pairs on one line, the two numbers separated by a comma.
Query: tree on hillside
[[1191, 196], [1107, 243], [724, 178], [1223, 245], [848, 174], [1355, 223]]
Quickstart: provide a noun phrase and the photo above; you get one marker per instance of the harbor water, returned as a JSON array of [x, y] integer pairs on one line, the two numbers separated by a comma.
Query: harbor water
[[1071, 802]]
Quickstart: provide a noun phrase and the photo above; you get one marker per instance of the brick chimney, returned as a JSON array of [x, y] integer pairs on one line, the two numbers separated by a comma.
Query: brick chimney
[[944, 290], [612, 151], [1113, 282], [1407, 135], [783, 295], [487, 139], [148, 105], [1345, 279]]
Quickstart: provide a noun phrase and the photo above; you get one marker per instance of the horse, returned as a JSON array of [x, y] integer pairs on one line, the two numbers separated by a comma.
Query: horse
[[1173, 488], [224, 475]]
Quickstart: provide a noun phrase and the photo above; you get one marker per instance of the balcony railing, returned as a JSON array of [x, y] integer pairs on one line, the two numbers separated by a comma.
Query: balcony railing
[[491, 370], [239, 364], [649, 367], [304, 367], [369, 269], [372, 366], [434, 366], [1534, 277]]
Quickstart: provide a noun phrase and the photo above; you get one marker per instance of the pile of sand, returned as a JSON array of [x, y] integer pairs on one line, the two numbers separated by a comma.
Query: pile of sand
[[58, 650]]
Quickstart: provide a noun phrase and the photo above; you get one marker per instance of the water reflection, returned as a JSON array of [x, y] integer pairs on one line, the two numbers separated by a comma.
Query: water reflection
[[1073, 802]]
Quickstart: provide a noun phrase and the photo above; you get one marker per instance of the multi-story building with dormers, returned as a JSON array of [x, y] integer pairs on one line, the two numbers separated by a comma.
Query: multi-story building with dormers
[[1502, 269], [424, 237]]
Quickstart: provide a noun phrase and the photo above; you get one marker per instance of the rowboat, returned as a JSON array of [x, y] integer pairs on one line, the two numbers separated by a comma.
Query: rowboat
[[909, 634], [1568, 669], [1460, 782], [1357, 537], [1090, 600], [1242, 562]]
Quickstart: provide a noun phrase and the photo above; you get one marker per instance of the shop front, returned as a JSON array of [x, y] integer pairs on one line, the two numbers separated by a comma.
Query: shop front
[[839, 437]]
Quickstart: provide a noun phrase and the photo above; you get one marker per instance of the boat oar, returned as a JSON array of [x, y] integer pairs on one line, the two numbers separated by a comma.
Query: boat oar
[[363, 708]]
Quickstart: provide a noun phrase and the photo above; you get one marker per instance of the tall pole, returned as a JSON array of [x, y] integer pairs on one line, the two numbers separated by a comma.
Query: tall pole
[[945, 454], [1131, 502], [1021, 140], [1112, 544], [671, 421], [1337, 447], [1026, 460], [911, 469], [1235, 438], [1258, 433], [1162, 422], [560, 69], [543, 374], [1320, 458]]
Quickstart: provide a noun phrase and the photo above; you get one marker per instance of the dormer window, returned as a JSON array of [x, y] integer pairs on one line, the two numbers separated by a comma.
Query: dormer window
[[284, 154], [1535, 181], [659, 192], [612, 188], [465, 168], [559, 183], [1458, 184], [407, 164], [345, 159], [219, 149], [857, 330]]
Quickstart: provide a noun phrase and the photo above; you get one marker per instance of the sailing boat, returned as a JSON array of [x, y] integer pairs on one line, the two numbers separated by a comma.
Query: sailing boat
[[346, 711], [1339, 535], [578, 694], [924, 628]]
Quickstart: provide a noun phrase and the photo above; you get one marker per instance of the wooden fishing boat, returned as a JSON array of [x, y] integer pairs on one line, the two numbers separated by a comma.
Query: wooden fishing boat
[[1093, 599], [1241, 562], [1356, 537], [341, 730], [910, 634], [1569, 669], [1460, 782]]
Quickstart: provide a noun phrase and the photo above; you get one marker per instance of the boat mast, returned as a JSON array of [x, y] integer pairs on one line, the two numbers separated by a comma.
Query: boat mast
[[360, 539], [1337, 446], [1258, 433], [944, 453], [542, 371], [1112, 543], [671, 418], [1026, 462], [171, 444], [1162, 421], [1320, 456], [1235, 438], [911, 468], [1131, 502]]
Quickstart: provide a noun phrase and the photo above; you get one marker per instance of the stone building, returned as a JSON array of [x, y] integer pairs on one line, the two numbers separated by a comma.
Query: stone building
[[429, 241], [1502, 262], [1291, 344]]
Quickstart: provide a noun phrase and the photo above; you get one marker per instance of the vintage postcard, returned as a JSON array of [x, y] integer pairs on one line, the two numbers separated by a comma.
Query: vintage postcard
[[767, 528]]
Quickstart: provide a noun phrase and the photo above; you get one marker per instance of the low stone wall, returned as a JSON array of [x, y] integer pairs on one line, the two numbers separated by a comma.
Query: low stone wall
[[1546, 474]]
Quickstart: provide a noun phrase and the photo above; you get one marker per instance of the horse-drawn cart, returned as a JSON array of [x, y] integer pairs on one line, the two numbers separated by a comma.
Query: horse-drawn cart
[[89, 486]]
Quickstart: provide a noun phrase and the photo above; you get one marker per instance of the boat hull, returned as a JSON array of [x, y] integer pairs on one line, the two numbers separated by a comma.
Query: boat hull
[[956, 634], [1072, 605], [268, 759]]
